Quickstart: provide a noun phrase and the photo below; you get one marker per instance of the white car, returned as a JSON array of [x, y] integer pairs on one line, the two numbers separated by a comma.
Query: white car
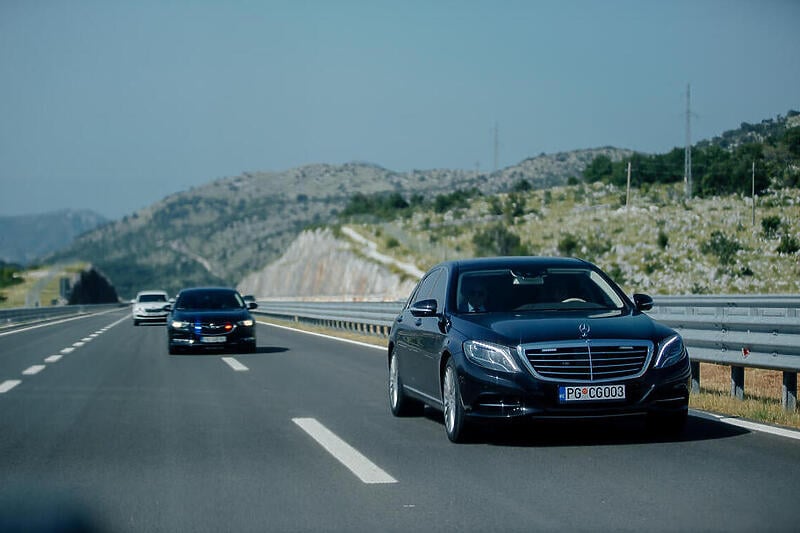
[[149, 307]]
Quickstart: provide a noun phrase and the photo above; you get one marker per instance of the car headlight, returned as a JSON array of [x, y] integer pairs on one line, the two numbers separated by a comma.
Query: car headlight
[[670, 351], [248, 322], [492, 356], [179, 324]]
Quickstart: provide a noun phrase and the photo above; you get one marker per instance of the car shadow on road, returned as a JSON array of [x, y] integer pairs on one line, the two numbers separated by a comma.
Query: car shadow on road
[[611, 432], [260, 350]]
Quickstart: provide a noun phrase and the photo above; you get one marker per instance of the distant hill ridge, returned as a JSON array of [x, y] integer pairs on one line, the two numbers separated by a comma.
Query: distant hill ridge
[[220, 232], [24, 238]]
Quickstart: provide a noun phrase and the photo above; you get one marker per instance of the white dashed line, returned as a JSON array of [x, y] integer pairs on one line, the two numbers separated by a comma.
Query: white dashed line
[[33, 370], [363, 468], [234, 364], [78, 344], [67, 350], [52, 359], [8, 385]]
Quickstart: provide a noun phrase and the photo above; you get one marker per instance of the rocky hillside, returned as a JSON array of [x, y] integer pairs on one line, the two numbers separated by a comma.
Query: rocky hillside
[[318, 265], [221, 232]]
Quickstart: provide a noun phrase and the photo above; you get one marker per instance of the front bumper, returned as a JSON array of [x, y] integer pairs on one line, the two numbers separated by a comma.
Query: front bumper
[[241, 336], [491, 395]]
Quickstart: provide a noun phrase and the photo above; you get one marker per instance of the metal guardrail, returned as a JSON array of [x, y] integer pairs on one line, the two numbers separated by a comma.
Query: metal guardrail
[[20, 315], [761, 331]]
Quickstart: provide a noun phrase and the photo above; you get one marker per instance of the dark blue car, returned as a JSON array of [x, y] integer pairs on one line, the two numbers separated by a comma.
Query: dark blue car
[[205, 318], [528, 337]]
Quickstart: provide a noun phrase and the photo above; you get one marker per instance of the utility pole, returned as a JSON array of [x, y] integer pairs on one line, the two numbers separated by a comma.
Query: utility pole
[[628, 193], [753, 194], [687, 158]]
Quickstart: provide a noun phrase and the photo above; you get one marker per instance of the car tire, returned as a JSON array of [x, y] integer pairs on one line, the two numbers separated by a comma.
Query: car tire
[[669, 425], [455, 422], [135, 322], [172, 349], [400, 404]]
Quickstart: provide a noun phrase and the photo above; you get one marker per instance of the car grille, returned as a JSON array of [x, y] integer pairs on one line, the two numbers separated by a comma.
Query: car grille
[[590, 361], [210, 328]]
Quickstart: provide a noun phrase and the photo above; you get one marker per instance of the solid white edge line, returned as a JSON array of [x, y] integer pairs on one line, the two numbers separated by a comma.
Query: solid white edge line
[[355, 461], [33, 370], [8, 384], [746, 424], [234, 364], [58, 322], [324, 336]]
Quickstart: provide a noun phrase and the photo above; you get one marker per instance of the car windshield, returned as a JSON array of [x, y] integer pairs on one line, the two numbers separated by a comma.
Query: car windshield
[[549, 289], [152, 298], [209, 300]]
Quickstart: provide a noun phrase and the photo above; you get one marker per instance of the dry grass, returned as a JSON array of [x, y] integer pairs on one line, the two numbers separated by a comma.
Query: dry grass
[[762, 401], [762, 395]]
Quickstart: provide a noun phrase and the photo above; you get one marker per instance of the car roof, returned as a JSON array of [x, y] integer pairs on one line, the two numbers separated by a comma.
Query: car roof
[[515, 261], [207, 289], [152, 291]]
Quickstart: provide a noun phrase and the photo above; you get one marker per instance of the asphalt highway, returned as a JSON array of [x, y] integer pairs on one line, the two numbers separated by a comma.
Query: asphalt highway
[[103, 430]]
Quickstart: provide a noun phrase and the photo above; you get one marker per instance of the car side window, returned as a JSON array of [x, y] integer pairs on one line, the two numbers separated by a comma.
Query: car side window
[[426, 287], [439, 289]]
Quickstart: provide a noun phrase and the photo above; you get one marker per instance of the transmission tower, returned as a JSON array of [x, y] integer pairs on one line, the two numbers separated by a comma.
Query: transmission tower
[[687, 158]]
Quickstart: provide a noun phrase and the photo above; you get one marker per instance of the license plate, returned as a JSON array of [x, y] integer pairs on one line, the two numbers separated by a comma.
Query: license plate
[[212, 340], [589, 393]]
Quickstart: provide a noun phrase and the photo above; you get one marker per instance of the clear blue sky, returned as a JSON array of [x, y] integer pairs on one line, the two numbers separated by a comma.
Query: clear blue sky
[[112, 105]]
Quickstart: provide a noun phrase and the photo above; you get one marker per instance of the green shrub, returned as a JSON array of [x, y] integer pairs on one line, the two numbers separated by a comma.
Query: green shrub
[[788, 245], [722, 246], [663, 240], [568, 245], [497, 240], [770, 226]]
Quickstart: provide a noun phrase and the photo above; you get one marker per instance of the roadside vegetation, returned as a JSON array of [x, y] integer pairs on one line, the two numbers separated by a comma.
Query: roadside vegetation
[[654, 241]]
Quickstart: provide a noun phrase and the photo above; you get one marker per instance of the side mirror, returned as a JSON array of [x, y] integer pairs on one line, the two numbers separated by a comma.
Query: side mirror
[[643, 302], [167, 308], [424, 308], [252, 305]]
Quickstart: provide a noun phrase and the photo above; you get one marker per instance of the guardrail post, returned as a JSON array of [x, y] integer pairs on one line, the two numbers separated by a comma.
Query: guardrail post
[[737, 382], [789, 391], [695, 376]]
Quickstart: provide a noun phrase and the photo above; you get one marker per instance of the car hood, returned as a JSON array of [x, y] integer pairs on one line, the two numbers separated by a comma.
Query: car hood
[[512, 329], [202, 315]]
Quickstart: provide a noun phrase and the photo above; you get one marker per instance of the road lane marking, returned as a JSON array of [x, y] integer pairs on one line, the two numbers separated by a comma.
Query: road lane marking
[[33, 370], [357, 463], [8, 384], [52, 359], [78, 344], [67, 350], [234, 364], [86, 339]]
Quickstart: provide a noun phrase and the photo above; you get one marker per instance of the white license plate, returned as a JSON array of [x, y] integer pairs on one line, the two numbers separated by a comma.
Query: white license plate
[[212, 340], [589, 393]]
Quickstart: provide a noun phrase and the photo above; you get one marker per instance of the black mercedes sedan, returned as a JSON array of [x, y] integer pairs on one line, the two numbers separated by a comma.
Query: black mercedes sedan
[[210, 318], [533, 337]]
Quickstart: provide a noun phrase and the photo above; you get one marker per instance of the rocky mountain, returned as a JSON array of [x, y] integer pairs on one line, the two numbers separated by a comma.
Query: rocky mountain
[[319, 265], [24, 238], [223, 231]]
